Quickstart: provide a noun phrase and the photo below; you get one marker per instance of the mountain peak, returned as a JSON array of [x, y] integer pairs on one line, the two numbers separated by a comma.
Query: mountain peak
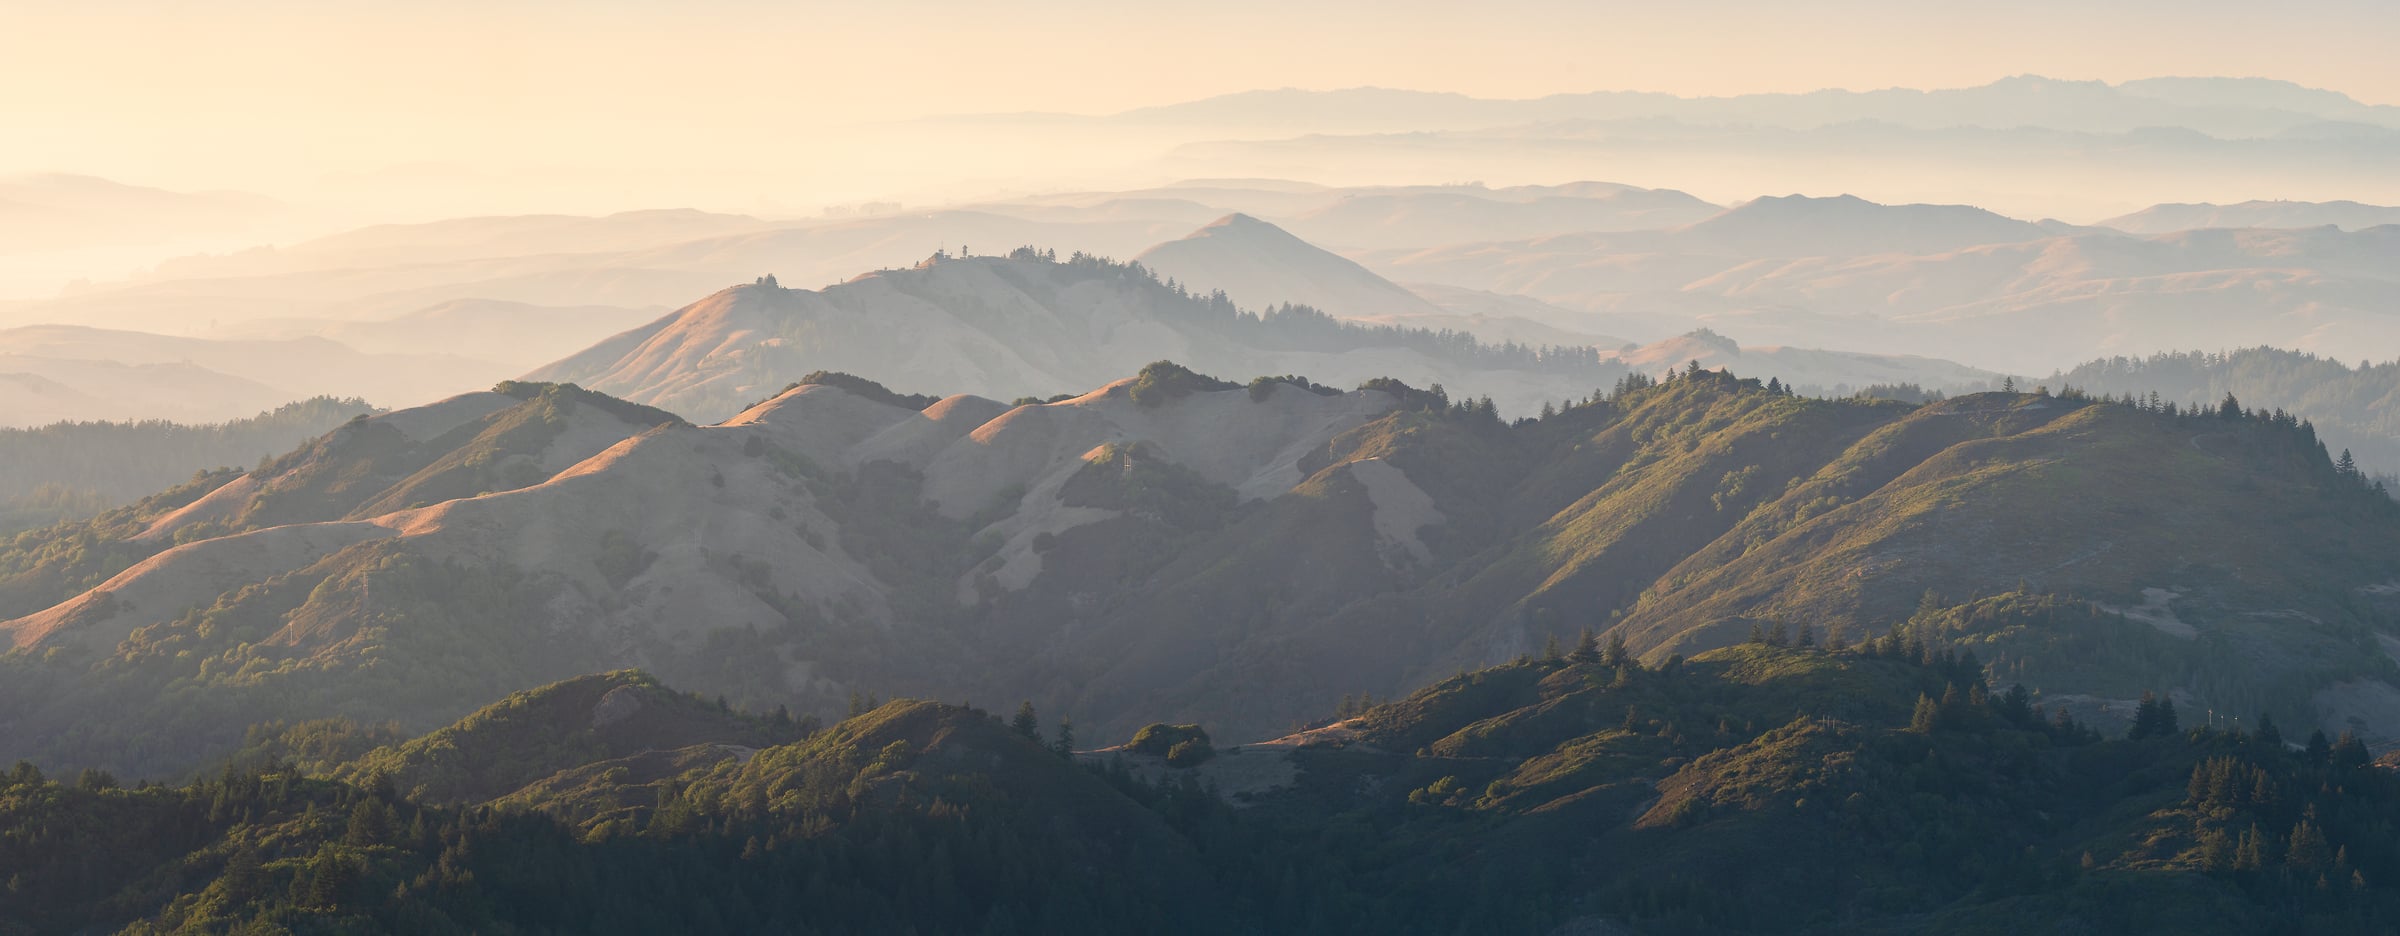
[[1803, 225], [1260, 264], [1238, 224]]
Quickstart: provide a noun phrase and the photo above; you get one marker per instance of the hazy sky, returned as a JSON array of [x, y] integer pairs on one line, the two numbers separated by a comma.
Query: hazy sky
[[263, 94]]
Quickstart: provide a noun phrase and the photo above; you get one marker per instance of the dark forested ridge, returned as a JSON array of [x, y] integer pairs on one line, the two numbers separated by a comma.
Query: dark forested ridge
[[2355, 407], [74, 470], [1779, 786], [1114, 558]]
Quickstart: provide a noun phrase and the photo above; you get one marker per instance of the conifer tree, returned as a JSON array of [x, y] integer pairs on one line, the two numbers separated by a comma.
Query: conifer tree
[[1928, 715], [1025, 722], [2308, 850], [1616, 654], [1587, 646], [1065, 745]]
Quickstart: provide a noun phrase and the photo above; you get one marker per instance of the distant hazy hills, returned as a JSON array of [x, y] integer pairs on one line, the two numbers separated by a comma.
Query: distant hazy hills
[[56, 211], [1952, 282], [74, 373], [2030, 171], [2227, 107], [1882, 292], [2166, 219], [1171, 547]]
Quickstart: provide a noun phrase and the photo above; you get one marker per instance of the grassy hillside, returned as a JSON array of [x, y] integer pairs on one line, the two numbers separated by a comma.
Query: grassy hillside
[[1682, 514], [71, 471], [364, 467], [1179, 548], [1032, 324]]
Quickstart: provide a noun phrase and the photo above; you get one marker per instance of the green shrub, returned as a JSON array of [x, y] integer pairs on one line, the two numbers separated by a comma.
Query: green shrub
[[1162, 381], [1161, 738], [1190, 753]]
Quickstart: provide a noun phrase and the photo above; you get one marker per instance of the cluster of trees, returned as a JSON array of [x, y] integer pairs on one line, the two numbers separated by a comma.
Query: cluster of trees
[[2353, 403], [1967, 804]]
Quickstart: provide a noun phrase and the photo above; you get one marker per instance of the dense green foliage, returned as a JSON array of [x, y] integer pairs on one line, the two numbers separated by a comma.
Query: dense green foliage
[[867, 388], [1876, 788], [1163, 381], [910, 818]]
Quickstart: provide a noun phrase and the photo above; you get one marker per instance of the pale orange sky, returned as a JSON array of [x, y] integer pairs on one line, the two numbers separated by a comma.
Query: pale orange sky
[[272, 95]]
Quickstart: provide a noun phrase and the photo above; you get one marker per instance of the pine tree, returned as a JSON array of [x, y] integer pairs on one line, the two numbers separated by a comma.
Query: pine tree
[[2346, 466], [2016, 705], [1065, 745], [371, 823], [1617, 654], [1026, 723], [2251, 853], [2350, 753], [1927, 717], [2308, 850], [2267, 735], [2153, 717]]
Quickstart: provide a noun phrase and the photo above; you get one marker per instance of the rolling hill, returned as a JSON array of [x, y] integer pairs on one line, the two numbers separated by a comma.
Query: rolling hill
[[2167, 219], [1259, 265], [1173, 546], [1028, 325]]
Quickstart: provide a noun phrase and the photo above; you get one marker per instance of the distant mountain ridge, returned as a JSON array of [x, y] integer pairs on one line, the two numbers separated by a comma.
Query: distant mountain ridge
[[126, 375], [1028, 325], [1846, 225], [1899, 283], [2220, 106], [2165, 219]]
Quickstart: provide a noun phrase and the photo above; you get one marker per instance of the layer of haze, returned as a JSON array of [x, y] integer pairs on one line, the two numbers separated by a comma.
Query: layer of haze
[[448, 107]]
